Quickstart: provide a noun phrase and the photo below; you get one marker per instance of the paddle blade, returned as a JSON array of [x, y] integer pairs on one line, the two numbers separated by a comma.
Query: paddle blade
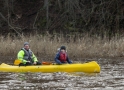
[[17, 62]]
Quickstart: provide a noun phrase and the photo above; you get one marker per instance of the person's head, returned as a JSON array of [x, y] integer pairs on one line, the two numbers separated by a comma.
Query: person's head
[[63, 48], [26, 45]]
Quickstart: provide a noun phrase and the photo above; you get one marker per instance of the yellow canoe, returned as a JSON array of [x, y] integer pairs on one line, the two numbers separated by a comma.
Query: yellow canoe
[[90, 67]]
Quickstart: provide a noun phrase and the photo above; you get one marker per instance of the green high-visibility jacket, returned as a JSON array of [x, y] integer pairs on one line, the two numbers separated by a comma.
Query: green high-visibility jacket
[[23, 55]]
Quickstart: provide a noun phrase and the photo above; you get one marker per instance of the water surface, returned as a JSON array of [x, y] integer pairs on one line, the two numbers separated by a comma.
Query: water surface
[[111, 77]]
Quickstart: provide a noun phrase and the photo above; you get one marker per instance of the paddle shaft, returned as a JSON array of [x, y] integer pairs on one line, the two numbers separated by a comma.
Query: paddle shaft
[[17, 62]]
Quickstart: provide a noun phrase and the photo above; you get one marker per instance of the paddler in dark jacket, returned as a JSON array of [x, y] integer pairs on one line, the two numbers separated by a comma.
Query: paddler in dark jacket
[[26, 56], [62, 57]]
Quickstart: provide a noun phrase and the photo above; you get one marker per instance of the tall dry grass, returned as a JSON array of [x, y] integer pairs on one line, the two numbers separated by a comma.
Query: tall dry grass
[[78, 46]]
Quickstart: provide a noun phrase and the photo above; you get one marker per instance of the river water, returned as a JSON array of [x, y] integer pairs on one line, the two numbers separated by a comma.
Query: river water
[[111, 77]]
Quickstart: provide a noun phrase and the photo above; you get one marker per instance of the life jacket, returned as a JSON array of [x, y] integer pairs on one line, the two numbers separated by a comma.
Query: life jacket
[[62, 57], [28, 55]]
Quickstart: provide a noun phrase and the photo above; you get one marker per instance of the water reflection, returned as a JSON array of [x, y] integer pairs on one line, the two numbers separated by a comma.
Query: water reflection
[[111, 77]]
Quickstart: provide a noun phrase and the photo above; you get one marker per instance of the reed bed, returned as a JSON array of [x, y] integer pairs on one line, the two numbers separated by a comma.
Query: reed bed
[[78, 46]]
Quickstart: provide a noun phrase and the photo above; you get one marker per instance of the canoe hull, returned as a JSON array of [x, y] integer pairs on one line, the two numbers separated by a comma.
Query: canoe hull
[[91, 67]]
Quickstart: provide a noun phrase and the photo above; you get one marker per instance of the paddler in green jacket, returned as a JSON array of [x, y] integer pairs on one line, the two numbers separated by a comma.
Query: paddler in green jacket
[[27, 57]]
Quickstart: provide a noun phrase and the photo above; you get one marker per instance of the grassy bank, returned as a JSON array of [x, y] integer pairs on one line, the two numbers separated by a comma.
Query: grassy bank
[[77, 46]]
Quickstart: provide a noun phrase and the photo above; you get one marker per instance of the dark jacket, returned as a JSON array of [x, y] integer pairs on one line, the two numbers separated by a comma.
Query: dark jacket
[[59, 61]]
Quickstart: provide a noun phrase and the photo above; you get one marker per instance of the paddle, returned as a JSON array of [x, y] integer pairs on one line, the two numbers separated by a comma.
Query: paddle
[[17, 62]]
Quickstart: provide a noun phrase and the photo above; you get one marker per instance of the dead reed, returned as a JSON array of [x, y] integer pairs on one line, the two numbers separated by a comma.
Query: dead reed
[[78, 46]]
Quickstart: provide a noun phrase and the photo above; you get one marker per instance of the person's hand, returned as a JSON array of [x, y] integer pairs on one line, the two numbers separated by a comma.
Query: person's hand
[[28, 61], [34, 63], [59, 63]]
